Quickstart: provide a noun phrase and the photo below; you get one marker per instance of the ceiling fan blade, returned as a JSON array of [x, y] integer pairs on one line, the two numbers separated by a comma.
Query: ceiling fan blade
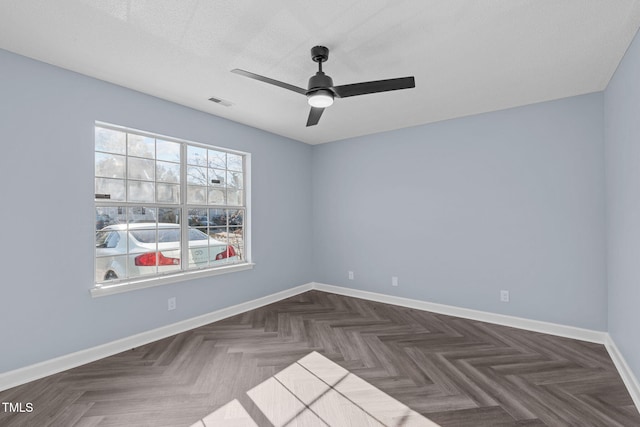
[[270, 81], [374, 86], [314, 116]]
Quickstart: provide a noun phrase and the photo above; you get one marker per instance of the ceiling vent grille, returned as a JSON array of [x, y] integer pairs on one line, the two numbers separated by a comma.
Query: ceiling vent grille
[[220, 101]]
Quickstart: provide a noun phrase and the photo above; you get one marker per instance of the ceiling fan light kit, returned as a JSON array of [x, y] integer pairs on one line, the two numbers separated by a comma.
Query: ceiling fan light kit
[[322, 98], [321, 92]]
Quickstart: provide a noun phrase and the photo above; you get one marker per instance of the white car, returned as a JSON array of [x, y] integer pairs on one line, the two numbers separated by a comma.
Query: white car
[[144, 249]]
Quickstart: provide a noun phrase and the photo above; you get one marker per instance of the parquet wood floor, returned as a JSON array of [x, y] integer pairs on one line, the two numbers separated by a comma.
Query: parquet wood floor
[[453, 371]]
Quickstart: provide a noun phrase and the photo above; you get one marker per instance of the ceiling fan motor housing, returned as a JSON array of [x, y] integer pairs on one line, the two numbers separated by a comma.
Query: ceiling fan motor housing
[[319, 81]]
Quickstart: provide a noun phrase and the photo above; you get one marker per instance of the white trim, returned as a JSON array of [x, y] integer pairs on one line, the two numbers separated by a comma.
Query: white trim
[[633, 386], [53, 366], [169, 138], [134, 285], [598, 337], [573, 332], [49, 367]]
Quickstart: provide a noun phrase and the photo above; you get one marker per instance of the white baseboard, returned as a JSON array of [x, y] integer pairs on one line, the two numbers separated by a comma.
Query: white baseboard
[[53, 366], [633, 386], [629, 379], [597, 337], [40, 370]]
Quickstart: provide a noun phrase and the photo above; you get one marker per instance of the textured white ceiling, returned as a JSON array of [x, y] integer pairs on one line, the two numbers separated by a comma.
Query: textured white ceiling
[[468, 57]]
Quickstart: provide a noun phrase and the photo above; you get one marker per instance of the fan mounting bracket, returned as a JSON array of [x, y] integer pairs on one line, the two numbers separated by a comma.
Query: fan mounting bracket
[[319, 54]]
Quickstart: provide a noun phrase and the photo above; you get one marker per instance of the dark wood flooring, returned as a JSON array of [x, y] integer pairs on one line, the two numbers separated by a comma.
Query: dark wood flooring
[[455, 372]]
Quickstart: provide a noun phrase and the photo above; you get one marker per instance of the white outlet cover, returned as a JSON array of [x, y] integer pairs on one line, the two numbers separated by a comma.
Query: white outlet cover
[[504, 296]]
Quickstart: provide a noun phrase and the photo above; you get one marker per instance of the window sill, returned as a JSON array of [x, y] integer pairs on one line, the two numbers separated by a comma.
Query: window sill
[[134, 285]]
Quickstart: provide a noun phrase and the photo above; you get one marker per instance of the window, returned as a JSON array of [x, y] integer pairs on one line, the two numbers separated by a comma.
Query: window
[[166, 209]]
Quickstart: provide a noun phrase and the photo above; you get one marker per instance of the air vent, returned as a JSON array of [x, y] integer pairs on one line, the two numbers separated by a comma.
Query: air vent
[[220, 101]]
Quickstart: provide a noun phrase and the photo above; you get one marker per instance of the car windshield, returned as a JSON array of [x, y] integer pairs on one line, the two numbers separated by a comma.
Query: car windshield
[[166, 235]]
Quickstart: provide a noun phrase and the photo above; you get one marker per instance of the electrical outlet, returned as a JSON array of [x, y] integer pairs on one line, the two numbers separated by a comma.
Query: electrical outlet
[[171, 303], [351, 276], [504, 296], [394, 281]]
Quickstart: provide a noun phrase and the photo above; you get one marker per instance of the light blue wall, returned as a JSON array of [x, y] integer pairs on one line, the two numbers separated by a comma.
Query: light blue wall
[[461, 209], [622, 137], [46, 168], [457, 210]]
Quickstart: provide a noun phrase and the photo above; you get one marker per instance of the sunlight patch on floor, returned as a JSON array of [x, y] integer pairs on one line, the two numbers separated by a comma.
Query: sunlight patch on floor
[[314, 391]]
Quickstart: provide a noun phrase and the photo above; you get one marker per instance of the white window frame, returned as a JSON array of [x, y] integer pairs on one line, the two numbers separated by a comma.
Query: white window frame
[[131, 284]]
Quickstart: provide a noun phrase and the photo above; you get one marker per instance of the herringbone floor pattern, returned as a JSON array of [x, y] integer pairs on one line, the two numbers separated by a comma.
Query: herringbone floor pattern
[[456, 372]]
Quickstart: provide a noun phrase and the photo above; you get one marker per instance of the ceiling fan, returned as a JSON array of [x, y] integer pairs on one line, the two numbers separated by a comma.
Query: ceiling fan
[[321, 91]]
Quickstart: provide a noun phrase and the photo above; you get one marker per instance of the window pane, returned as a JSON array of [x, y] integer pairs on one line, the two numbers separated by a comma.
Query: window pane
[[219, 234], [216, 196], [196, 175], [143, 246], [109, 215], [196, 195], [224, 249], [111, 244], [140, 191], [234, 162], [234, 179], [218, 245], [149, 236], [235, 197], [142, 263], [141, 169], [236, 217], [168, 215], [217, 159], [141, 146], [236, 239], [198, 220], [167, 150], [102, 221], [102, 237], [110, 165], [195, 234], [201, 230], [195, 215], [199, 254], [168, 193], [199, 245], [217, 177], [168, 172], [218, 217], [113, 187], [196, 155], [143, 214], [110, 267], [169, 235], [111, 141]]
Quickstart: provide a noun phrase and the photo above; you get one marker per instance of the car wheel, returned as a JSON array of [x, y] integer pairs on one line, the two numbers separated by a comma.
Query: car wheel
[[110, 275]]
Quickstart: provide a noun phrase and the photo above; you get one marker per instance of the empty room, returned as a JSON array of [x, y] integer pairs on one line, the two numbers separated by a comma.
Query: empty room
[[341, 213]]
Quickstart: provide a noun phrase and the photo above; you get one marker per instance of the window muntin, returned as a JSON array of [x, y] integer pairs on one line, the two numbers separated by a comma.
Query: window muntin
[[214, 177], [141, 181], [224, 225]]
